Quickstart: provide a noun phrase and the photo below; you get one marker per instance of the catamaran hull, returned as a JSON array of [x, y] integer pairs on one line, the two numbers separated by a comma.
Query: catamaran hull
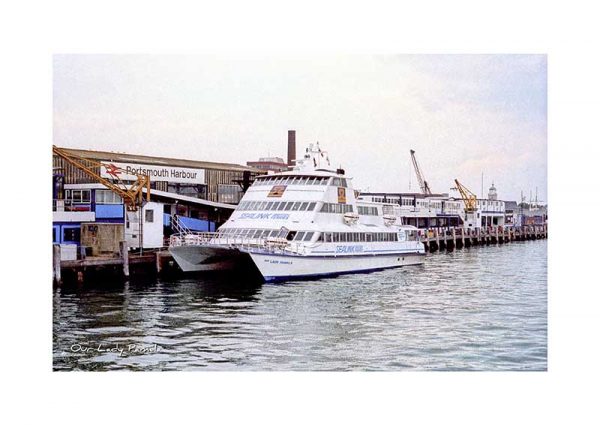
[[274, 267], [198, 258]]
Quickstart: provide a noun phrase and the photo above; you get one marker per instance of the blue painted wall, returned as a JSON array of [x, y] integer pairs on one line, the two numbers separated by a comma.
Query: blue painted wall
[[109, 211], [192, 223]]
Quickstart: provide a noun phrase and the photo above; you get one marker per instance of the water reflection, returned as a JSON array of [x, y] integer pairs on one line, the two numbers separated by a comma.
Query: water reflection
[[475, 309]]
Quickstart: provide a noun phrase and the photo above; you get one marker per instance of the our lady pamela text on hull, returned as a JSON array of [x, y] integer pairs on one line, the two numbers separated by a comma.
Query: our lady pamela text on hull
[[306, 222]]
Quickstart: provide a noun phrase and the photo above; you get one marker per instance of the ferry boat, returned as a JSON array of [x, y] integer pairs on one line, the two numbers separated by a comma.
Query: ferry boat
[[306, 222]]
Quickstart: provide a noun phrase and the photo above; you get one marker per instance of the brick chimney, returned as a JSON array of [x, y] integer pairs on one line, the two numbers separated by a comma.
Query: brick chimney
[[291, 148]]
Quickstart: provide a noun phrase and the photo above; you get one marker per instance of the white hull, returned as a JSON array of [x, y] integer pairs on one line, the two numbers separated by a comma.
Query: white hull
[[275, 267], [198, 258]]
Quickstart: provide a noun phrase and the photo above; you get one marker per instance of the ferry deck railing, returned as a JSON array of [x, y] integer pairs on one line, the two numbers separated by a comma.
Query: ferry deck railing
[[193, 238]]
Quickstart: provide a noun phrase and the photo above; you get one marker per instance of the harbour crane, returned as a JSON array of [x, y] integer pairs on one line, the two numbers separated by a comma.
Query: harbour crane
[[131, 192], [422, 182], [468, 197]]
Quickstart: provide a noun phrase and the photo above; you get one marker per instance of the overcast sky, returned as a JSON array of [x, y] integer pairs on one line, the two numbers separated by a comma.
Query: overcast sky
[[463, 114]]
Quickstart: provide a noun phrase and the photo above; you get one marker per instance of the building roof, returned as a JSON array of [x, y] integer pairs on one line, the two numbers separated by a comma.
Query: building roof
[[190, 199], [155, 160]]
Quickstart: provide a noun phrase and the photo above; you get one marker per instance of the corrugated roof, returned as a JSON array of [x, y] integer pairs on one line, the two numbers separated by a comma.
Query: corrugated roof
[[154, 160]]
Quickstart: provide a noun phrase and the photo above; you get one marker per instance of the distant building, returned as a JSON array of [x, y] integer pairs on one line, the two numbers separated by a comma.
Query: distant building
[[269, 164], [276, 164], [492, 194]]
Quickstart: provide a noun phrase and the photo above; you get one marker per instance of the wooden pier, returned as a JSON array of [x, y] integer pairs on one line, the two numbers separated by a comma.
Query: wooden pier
[[127, 263], [120, 266], [451, 238]]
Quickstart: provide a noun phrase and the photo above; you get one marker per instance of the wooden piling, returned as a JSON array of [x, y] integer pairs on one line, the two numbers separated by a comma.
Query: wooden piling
[[56, 263], [124, 257], [158, 262]]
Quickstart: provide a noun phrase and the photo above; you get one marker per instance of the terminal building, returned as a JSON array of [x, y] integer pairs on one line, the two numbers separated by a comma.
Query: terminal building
[[203, 194], [440, 210]]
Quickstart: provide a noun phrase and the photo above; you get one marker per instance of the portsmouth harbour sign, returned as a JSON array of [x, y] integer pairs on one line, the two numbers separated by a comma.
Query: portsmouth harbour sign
[[119, 170]]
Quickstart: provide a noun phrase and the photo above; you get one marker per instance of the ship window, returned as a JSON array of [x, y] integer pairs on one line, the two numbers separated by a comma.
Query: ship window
[[325, 207], [311, 206], [308, 236], [288, 206], [268, 206], [281, 206], [303, 206], [296, 206], [299, 236]]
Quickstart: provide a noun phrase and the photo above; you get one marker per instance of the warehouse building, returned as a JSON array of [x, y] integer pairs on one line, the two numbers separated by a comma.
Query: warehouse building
[[202, 193]]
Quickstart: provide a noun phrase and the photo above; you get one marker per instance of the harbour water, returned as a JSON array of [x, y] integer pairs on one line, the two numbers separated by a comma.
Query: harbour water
[[482, 308]]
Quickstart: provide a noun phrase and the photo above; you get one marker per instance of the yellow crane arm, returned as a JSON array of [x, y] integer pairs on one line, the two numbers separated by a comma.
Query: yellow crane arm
[[468, 197], [132, 194]]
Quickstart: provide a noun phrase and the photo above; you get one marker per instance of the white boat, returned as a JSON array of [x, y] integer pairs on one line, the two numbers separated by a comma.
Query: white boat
[[306, 222]]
